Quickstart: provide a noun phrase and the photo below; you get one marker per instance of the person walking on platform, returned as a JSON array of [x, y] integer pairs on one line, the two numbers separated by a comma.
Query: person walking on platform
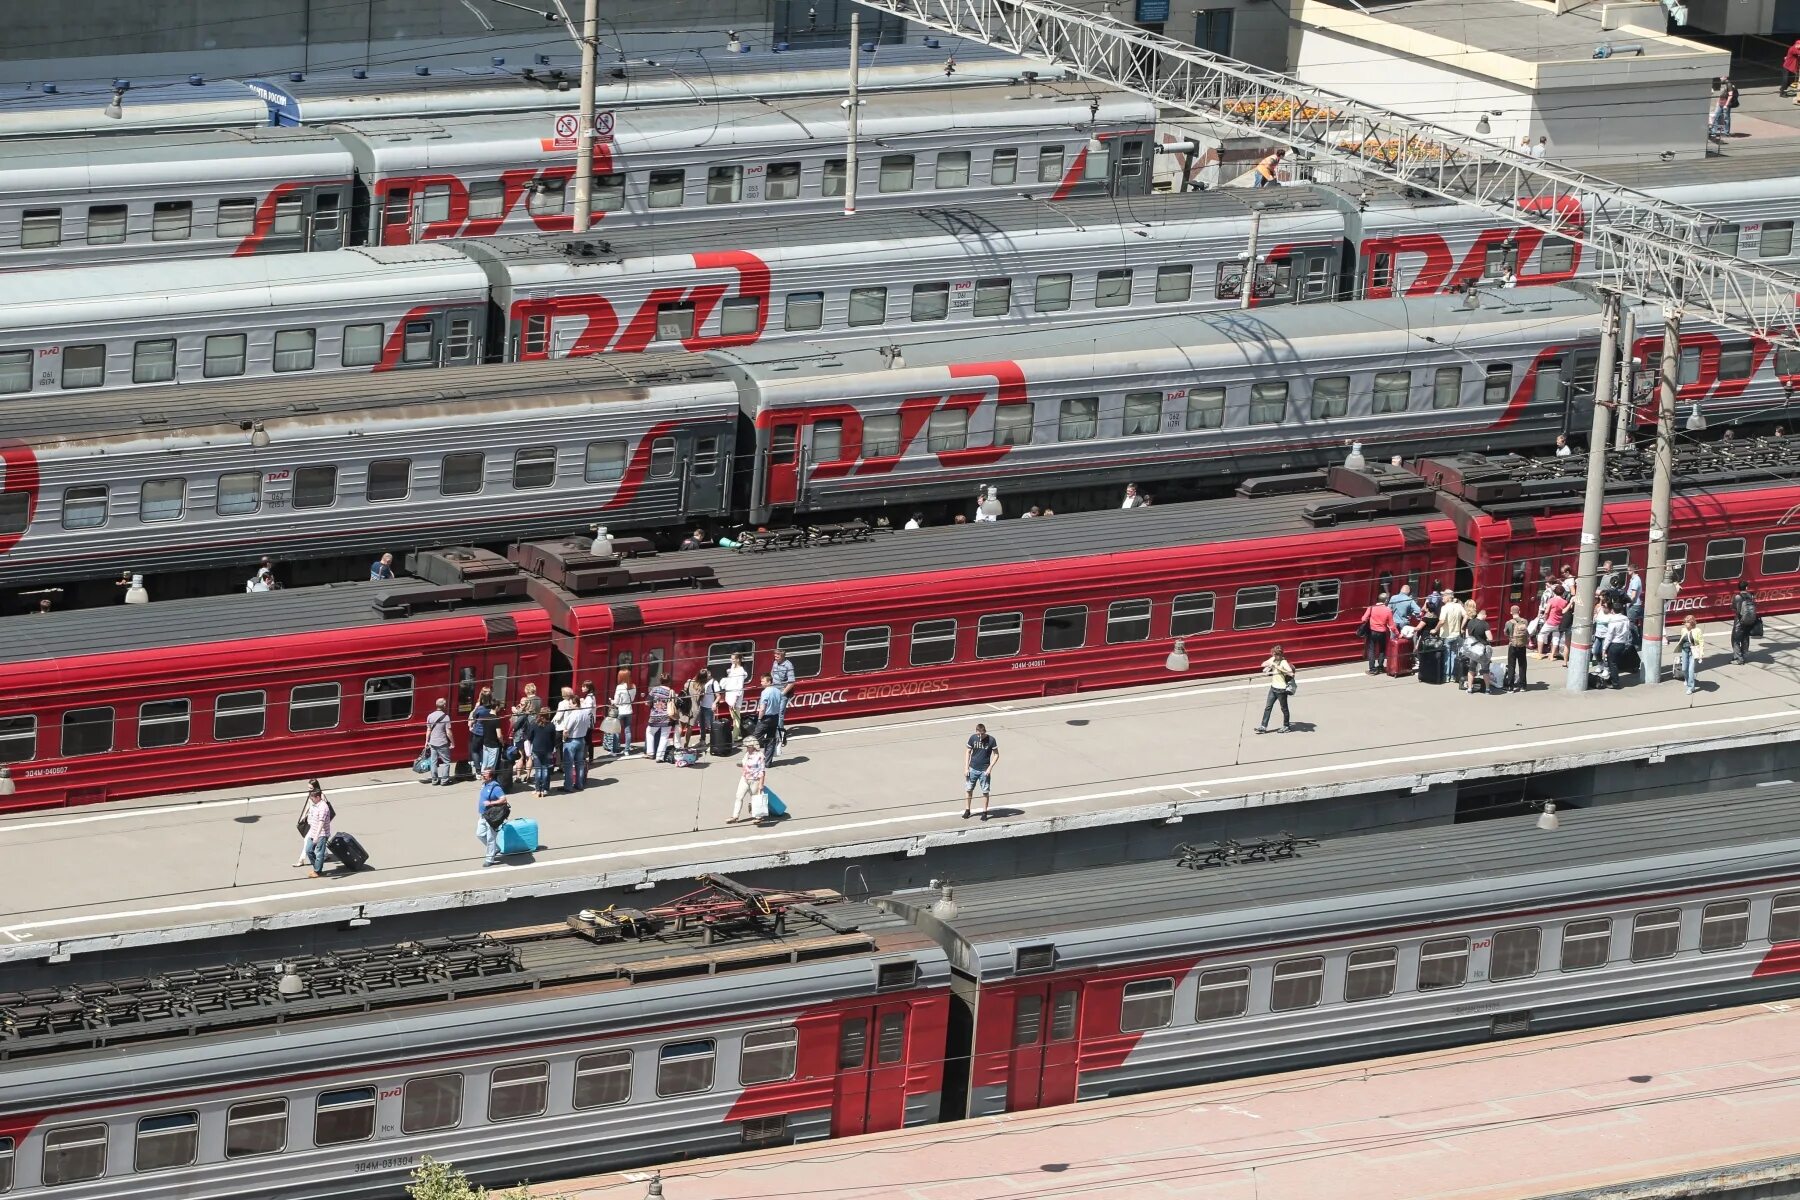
[[751, 773], [1690, 644], [1378, 626], [1518, 641], [491, 810], [980, 755], [437, 744], [1743, 622], [318, 827], [1281, 685]]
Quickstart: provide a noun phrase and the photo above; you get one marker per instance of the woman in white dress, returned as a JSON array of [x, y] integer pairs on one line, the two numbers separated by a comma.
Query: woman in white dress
[[736, 676], [624, 696]]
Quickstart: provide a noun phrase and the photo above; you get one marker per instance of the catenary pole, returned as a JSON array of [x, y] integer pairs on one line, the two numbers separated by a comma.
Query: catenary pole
[[853, 106], [1581, 636], [584, 139], [1247, 289], [1626, 409], [1662, 484]]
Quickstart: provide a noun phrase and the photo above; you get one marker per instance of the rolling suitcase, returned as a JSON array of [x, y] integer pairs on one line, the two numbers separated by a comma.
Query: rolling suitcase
[[1431, 659], [721, 739], [348, 850], [777, 809], [518, 836], [1400, 656]]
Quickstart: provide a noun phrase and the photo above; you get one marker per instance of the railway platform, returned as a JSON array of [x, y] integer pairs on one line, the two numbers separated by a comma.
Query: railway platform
[[876, 803], [1691, 1106]]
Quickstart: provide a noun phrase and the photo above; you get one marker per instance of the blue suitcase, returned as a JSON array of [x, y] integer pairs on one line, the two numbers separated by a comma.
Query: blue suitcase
[[519, 836], [776, 807]]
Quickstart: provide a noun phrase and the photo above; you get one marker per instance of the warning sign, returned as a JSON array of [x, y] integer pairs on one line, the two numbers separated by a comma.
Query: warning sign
[[565, 131], [603, 124]]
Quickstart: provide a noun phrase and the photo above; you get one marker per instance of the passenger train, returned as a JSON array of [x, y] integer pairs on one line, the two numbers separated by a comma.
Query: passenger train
[[542, 1054], [186, 694]]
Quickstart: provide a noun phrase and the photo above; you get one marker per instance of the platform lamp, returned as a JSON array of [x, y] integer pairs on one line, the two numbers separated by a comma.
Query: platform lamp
[[1547, 819], [1696, 420], [116, 107], [1177, 662], [7, 786], [655, 1192]]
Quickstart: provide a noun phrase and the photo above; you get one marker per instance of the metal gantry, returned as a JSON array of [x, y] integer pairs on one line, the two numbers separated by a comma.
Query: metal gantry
[[1645, 248]]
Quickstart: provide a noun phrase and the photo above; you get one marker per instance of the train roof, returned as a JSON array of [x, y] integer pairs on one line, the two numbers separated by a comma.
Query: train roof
[[1776, 165], [149, 105], [1368, 884], [31, 165]]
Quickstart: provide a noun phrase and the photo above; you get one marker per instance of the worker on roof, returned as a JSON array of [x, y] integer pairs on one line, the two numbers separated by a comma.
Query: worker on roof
[[1265, 170]]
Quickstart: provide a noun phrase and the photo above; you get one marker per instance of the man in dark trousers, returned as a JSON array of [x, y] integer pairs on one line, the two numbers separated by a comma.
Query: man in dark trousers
[[980, 755], [1743, 621], [1518, 640]]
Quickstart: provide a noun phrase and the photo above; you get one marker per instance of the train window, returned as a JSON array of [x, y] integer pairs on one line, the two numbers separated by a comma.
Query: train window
[[1330, 397], [604, 463], [1724, 239], [1514, 954], [1781, 554], [1147, 1004], [1446, 387], [362, 345], [171, 221], [315, 487], [74, 1153], [1675, 562], [387, 698], [420, 342], [487, 198], [313, 706], [295, 349], [1370, 974], [389, 479], [868, 305], [947, 429], [83, 366], [804, 310], [547, 197], [1004, 168], [256, 1127], [953, 168], [993, 297], [162, 723], [1255, 608], [15, 372], [40, 228], [606, 193], [1205, 408], [768, 1056], [534, 467], [1585, 944], [1063, 1006], [239, 715], [1393, 390], [346, 1115], [896, 173], [431, 1102], [853, 1043], [1298, 983], [1735, 363], [1317, 601], [18, 739], [1443, 963], [537, 334], [706, 457], [866, 649], [603, 1080], [1127, 621], [1787, 361], [84, 507], [1050, 164], [1724, 925], [674, 322], [1051, 292], [724, 185], [106, 224], [518, 1091], [1777, 240], [1556, 256], [461, 473], [890, 1039], [1268, 403], [289, 211], [782, 181], [162, 500], [998, 635], [1065, 628], [1690, 365], [933, 643], [1724, 559], [434, 203], [1191, 613], [170, 1140], [1112, 289], [831, 177], [1223, 994], [1655, 934], [15, 511], [1028, 1019], [1784, 918], [827, 441], [153, 361], [718, 656], [930, 301], [1174, 283], [683, 1068], [225, 354], [1497, 388], [1099, 160], [806, 651], [740, 315], [1143, 413], [1012, 425], [1078, 418]]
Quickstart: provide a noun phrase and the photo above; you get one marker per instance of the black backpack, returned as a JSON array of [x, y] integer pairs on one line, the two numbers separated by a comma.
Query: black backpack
[[1745, 607]]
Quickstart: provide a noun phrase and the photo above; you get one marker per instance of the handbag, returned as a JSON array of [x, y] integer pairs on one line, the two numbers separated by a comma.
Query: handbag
[[1293, 687], [1362, 628], [496, 814], [422, 764], [609, 725]]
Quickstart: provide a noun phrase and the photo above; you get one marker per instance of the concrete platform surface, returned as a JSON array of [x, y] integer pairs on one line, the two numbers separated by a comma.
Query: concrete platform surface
[[219, 863], [1694, 1096]]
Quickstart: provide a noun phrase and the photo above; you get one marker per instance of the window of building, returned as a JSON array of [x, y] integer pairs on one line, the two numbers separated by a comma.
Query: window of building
[[896, 173], [831, 177], [1223, 993], [768, 1056], [1784, 918], [1051, 292], [724, 185], [683, 1068], [1781, 554], [1012, 425], [239, 715], [1255, 608], [1174, 283], [868, 305], [40, 228], [740, 315], [1498, 387], [74, 1154], [1585, 944], [804, 310], [1446, 387], [890, 1039], [1330, 397], [345, 1115], [1777, 240], [1147, 1004], [15, 372], [1393, 390], [1065, 628], [930, 301], [518, 1091], [1268, 403], [1317, 600], [225, 353], [534, 467], [993, 297], [172, 221], [84, 507], [603, 1079], [312, 707], [461, 473], [362, 345], [1127, 621], [162, 500], [1004, 168], [1050, 164], [1443, 963], [315, 487], [294, 349], [866, 649], [431, 1102], [1370, 974], [1298, 983], [107, 224], [83, 366], [1143, 413], [18, 739], [256, 1127], [953, 168], [998, 635], [947, 429], [1655, 934], [667, 188], [1112, 289], [162, 723], [1205, 408], [387, 698], [1078, 418], [1724, 925], [1724, 559], [933, 643], [1514, 954], [389, 479], [169, 1140]]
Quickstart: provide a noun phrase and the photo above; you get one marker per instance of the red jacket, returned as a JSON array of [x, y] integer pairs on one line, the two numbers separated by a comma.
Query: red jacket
[[1791, 60], [1381, 619]]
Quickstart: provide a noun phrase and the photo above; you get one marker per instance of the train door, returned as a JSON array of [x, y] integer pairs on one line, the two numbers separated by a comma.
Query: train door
[[1131, 166], [1568, 379], [396, 215], [647, 654], [1043, 1066], [1302, 275], [327, 219], [707, 468], [872, 1069], [783, 481], [451, 338], [469, 673]]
